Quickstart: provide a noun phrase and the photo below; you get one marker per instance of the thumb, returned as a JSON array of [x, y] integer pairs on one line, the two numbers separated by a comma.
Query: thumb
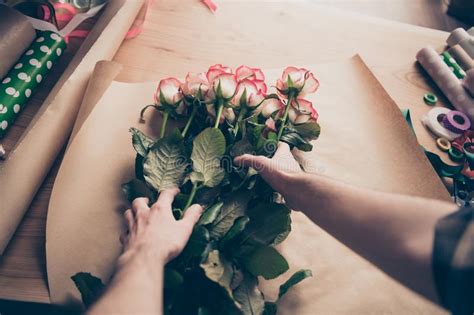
[[192, 214], [260, 163]]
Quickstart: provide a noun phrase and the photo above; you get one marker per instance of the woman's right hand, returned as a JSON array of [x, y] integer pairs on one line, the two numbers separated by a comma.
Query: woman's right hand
[[282, 172]]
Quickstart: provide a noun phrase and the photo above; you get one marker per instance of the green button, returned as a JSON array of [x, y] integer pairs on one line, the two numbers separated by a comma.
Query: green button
[[430, 99], [455, 155]]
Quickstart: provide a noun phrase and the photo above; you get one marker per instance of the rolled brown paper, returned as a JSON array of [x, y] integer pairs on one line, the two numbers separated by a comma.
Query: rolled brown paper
[[461, 57], [468, 82], [457, 36], [17, 34]]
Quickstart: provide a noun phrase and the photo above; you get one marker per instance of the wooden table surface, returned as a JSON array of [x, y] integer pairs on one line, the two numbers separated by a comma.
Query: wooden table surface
[[181, 36]]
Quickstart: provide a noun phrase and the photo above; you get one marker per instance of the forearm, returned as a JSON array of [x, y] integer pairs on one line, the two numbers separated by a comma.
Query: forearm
[[395, 232], [136, 288]]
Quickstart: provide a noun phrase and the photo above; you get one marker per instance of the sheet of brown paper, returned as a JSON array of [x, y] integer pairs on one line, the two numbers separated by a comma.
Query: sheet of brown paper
[[364, 141], [27, 165]]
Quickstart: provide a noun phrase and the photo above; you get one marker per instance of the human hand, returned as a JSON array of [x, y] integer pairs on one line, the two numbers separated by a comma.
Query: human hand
[[154, 232], [282, 172]]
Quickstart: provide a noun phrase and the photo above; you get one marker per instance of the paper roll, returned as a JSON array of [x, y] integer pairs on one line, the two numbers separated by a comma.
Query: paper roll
[[432, 121], [446, 81], [457, 36], [23, 79], [29, 162], [471, 31], [461, 56], [16, 35], [468, 82], [468, 46]]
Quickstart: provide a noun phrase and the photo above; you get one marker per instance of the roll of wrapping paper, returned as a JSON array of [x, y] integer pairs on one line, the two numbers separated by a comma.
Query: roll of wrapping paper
[[468, 46], [21, 81], [468, 82], [17, 34], [446, 81], [461, 56], [453, 65], [457, 36]]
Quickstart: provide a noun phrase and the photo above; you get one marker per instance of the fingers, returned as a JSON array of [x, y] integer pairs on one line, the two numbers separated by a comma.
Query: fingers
[[259, 163], [192, 215], [140, 205], [129, 220], [167, 196]]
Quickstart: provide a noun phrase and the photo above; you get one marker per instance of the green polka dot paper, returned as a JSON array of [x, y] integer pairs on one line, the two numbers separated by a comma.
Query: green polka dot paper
[[453, 65], [22, 80]]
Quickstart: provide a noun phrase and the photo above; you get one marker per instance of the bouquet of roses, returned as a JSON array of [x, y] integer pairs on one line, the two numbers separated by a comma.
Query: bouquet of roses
[[225, 114]]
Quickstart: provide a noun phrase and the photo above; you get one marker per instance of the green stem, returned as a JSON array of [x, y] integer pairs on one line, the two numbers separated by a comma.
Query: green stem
[[285, 117], [239, 119], [188, 124], [191, 197], [163, 124], [220, 108]]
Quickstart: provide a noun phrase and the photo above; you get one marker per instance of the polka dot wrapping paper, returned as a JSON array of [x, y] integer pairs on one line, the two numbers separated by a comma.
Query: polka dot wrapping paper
[[22, 80]]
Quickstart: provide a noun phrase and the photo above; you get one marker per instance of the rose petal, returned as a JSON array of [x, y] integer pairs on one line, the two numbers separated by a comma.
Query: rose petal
[[228, 84], [270, 106], [261, 85], [256, 99], [270, 123], [244, 72], [210, 4], [170, 90], [311, 84]]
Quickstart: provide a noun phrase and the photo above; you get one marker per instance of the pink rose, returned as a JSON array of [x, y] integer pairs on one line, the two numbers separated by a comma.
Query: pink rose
[[253, 74], [223, 85], [270, 125], [215, 71], [302, 111], [271, 106], [247, 94], [298, 81], [168, 92], [195, 84]]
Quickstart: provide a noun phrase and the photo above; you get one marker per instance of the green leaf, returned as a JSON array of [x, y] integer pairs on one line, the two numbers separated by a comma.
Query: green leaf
[[89, 286], [173, 279], [294, 139], [233, 208], [269, 224], [211, 213], [249, 297], [166, 162], [270, 308], [141, 142], [208, 149], [218, 270], [136, 188], [309, 131], [296, 278], [266, 262], [236, 229], [197, 243]]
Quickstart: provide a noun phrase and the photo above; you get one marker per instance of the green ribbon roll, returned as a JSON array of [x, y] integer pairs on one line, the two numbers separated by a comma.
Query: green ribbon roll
[[22, 80], [453, 65]]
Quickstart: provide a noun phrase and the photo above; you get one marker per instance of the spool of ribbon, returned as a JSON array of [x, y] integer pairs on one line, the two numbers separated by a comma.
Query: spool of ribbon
[[456, 121], [445, 79], [432, 121], [457, 36], [28, 72], [468, 82], [453, 65], [461, 56]]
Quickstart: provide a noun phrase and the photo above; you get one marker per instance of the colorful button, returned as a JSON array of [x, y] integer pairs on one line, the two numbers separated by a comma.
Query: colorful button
[[455, 155], [443, 144]]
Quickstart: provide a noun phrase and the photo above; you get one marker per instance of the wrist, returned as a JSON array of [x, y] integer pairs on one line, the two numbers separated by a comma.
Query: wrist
[[141, 259]]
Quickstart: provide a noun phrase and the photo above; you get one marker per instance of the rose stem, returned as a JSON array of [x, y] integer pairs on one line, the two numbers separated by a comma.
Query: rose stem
[[239, 119], [163, 124], [220, 107], [285, 116], [191, 196], [188, 124]]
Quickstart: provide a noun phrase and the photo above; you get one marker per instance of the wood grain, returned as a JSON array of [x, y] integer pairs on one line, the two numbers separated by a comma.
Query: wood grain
[[182, 36]]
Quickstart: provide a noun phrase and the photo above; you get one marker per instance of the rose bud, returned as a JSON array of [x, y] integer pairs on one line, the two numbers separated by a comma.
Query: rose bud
[[168, 93], [195, 85], [223, 86], [253, 74], [298, 82], [227, 113], [302, 111], [248, 95], [271, 106]]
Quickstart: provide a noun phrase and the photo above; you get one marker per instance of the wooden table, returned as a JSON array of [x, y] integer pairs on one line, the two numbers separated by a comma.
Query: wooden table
[[181, 36]]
